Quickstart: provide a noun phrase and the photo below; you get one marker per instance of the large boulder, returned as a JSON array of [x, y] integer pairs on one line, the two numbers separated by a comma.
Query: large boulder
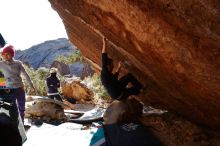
[[78, 69], [62, 68], [172, 47], [73, 88], [46, 111], [81, 69]]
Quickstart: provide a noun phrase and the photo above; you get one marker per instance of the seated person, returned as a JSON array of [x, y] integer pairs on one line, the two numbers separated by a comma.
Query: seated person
[[122, 125], [53, 84], [117, 88], [123, 111]]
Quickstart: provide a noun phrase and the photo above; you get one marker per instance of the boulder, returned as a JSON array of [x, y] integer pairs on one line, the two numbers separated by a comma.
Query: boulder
[[73, 88], [81, 69], [45, 111], [62, 68], [172, 47]]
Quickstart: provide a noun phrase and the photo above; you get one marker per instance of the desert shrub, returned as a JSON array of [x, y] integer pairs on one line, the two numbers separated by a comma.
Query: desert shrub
[[38, 78], [76, 56], [94, 83]]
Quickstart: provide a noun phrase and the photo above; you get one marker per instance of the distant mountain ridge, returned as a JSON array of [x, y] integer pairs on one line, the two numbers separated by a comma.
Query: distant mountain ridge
[[43, 55]]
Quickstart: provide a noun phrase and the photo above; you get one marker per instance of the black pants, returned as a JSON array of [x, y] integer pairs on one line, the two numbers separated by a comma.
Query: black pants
[[127, 91], [57, 97], [130, 134]]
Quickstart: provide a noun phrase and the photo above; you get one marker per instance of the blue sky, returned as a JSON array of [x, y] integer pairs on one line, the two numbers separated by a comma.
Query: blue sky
[[29, 22]]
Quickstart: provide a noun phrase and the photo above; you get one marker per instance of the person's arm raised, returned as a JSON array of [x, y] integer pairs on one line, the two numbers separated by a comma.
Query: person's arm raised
[[104, 56], [103, 45]]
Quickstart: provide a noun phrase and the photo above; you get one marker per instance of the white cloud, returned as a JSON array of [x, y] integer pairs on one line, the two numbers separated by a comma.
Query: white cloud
[[28, 22]]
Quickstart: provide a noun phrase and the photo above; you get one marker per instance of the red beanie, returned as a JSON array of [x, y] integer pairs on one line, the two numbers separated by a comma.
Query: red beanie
[[9, 49]]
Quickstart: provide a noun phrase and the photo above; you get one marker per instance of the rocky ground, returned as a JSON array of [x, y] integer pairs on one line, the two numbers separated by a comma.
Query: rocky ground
[[176, 131]]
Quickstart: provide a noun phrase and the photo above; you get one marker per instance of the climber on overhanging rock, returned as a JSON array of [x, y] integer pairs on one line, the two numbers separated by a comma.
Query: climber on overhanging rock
[[117, 88]]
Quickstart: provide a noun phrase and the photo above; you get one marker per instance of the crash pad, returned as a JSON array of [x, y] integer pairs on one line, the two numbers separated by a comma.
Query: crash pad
[[90, 113]]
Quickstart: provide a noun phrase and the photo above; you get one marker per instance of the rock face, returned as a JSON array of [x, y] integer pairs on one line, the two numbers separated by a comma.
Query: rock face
[[78, 69], [173, 47], [43, 55], [81, 69], [63, 68]]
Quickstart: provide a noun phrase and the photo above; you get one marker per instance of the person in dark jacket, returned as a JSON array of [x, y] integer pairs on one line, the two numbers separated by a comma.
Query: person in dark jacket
[[122, 126], [53, 84], [117, 88]]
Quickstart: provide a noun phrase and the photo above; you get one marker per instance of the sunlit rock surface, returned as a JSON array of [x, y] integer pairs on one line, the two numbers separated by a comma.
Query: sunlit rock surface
[[73, 88], [46, 111], [62, 68], [172, 47], [81, 69]]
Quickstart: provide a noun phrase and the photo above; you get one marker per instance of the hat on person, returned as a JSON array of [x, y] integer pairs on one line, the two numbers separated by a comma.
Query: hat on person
[[53, 70], [9, 49]]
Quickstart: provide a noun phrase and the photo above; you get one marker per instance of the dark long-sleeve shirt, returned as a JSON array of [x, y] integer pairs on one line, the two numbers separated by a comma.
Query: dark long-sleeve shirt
[[109, 80], [53, 83]]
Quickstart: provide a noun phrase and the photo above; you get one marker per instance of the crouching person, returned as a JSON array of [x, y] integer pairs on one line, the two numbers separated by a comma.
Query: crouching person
[[122, 125]]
